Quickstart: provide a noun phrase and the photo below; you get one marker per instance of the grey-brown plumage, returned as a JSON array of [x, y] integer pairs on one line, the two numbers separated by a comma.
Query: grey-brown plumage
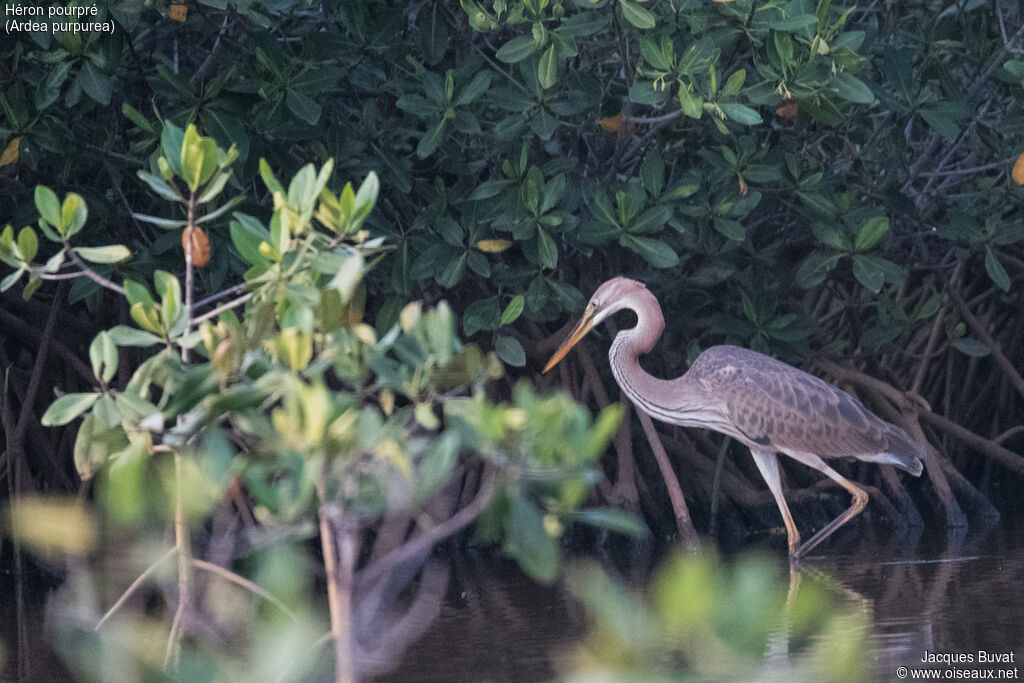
[[769, 406]]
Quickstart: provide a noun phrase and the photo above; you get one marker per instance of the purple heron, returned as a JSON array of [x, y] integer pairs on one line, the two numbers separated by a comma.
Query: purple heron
[[763, 403]]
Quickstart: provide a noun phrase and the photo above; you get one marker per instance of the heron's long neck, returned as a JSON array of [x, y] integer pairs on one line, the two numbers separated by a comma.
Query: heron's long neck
[[665, 400]]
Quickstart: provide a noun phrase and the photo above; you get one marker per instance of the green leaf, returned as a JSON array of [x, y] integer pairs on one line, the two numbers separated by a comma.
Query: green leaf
[[349, 275], [829, 235], [95, 444], [160, 186], [691, 103], [67, 408], [95, 83], [103, 357], [436, 465], [547, 68], [546, 249], [852, 89], [735, 83], [872, 230], [996, 271], [73, 214], [303, 106], [136, 292], [247, 233], [484, 314], [513, 310], [136, 117], [28, 243], [48, 205], [11, 279], [615, 520], [122, 335], [488, 189], [114, 253], [682, 191], [516, 50], [529, 543], [215, 187], [740, 113], [636, 15], [165, 223], [941, 123], [784, 48], [169, 289], [657, 253], [198, 158], [221, 210], [658, 53], [365, 199], [815, 268], [269, 179], [430, 140], [453, 271], [730, 228], [652, 173], [477, 87], [651, 220], [170, 144], [868, 274], [510, 351], [48, 89], [971, 347], [793, 24]]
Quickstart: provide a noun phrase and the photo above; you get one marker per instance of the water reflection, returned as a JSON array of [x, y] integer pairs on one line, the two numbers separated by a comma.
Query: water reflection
[[953, 598], [953, 602], [957, 598]]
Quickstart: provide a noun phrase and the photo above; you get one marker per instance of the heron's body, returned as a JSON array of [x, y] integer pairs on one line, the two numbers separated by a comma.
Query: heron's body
[[767, 405]]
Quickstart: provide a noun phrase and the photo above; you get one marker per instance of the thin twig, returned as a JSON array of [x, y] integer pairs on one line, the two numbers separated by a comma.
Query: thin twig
[[431, 536], [94, 276], [213, 313], [1004, 456], [135, 585], [234, 289], [32, 391], [997, 353], [231, 576], [687, 533]]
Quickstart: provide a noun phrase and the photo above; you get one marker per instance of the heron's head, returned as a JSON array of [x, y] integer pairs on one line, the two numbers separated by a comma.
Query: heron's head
[[612, 296]]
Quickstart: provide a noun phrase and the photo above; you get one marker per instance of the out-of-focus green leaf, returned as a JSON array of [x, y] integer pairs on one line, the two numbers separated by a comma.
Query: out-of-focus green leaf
[[67, 408]]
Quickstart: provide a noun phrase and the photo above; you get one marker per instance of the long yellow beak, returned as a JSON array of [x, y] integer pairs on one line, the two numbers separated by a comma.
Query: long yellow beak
[[585, 324]]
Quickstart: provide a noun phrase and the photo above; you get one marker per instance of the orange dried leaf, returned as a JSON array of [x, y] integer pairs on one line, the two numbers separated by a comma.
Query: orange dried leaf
[[493, 246], [10, 154], [194, 240], [788, 109], [611, 124], [1018, 170], [743, 185], [178, 12]]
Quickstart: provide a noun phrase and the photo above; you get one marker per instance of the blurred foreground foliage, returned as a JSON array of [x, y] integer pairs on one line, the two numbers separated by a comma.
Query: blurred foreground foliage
[[708, 620], [281, 402]]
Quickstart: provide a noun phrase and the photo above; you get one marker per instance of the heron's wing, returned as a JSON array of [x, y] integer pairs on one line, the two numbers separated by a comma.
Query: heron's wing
[[778, 406]]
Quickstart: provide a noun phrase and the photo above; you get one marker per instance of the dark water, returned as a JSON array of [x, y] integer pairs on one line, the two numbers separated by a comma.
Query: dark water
[[957, 598]]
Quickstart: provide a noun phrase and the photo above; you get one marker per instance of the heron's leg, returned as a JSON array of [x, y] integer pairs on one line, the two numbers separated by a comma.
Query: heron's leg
[[768, 463], [860, 499]]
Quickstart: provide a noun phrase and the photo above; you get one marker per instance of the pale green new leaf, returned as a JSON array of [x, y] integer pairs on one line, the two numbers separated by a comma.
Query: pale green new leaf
[[67, 408], [114, 253]]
